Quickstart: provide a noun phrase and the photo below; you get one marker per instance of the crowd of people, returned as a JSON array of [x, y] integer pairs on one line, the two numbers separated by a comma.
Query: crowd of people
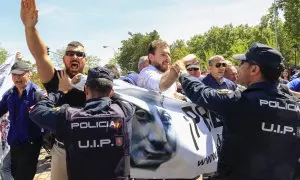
[[255, 101]]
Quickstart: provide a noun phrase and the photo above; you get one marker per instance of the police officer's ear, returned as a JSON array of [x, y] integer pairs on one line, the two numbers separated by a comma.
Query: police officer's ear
[[111, 93], [255, 70]]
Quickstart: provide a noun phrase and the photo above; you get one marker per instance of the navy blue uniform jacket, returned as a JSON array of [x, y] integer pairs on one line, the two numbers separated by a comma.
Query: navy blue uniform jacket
[[48, 116], [261, 129]]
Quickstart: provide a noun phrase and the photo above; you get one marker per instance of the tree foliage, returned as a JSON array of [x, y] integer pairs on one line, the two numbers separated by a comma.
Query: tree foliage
[[178, 49], [3, 55], [291, 9], [133, 48]]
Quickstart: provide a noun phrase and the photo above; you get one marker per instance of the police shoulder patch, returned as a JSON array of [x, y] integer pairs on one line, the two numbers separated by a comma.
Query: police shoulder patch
[[56, 108], [224, 91]]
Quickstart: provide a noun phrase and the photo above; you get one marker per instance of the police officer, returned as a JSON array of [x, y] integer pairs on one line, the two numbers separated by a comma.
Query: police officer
[[95, 136], [261, 124]]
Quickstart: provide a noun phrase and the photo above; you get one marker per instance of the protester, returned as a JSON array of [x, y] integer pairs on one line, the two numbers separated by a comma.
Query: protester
[[133, 76], [94, 153], [143, 62], [215, 79], [261, 139], [231, 72], [285, 75], [284, 78], [160, 76], [74, 60], [194, 69], [24, 136]]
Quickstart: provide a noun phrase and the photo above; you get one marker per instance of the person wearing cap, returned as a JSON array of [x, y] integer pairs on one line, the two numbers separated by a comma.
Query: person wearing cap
[[261, 138], [88, 133], [194, 70], [74, 60], [24, 136]]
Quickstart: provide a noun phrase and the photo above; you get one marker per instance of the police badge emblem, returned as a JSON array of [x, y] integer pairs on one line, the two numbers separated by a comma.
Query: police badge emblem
[[119, 141]]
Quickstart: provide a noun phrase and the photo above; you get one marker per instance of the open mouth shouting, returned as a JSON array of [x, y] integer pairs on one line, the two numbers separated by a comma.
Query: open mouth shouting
[[74, 66]]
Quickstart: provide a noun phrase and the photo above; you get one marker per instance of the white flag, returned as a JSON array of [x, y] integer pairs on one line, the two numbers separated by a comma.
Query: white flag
[[5, 76]]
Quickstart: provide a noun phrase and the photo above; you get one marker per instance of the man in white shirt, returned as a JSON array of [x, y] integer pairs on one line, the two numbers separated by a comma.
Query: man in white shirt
[[160, 75]]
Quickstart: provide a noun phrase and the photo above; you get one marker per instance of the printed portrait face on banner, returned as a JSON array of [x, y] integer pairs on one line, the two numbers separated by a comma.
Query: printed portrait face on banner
[[153, 139]]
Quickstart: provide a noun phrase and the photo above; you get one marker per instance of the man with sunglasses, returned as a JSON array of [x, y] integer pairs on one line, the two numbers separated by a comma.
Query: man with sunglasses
[[74, 60], [215, 79], [194, 70], [261, 139]]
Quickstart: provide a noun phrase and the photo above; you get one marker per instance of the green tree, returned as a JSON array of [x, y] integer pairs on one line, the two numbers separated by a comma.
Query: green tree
[[178, 49], [133, 48], [291, 9], [3, 55]]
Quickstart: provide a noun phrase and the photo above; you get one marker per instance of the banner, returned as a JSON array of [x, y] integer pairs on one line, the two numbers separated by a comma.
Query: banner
[[5, 76], [169, 138]]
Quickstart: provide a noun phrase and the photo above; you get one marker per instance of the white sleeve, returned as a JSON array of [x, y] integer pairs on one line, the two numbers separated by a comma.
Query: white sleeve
[[149, 80]]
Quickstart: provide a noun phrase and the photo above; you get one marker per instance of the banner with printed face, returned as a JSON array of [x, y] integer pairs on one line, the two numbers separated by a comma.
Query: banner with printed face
[[5, 76], [169, 138]]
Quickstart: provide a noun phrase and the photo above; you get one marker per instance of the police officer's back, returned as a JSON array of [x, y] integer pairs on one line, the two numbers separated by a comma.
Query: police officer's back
[[95, 136], [261, 125]]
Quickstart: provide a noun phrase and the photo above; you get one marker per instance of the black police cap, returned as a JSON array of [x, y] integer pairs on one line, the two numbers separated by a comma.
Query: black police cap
[[99, 72], [262, 55]]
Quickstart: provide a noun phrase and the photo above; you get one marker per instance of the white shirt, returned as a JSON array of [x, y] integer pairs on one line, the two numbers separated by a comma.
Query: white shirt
[[149, 78]]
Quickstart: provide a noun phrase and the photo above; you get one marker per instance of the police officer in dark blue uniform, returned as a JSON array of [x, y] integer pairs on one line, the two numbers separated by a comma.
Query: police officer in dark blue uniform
[[95, 136], [261, 136]]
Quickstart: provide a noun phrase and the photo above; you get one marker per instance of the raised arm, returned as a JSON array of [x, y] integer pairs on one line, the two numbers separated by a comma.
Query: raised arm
[[29, 16], [171, 75]]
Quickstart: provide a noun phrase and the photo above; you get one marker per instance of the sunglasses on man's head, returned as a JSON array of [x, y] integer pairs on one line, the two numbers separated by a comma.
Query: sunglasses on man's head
[[220, 64], [77, 53], [193, 69]]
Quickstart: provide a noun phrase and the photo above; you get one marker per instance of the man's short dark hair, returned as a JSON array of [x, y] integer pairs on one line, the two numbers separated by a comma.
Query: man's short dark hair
[[75, 44], [156, 44], [101, 85]]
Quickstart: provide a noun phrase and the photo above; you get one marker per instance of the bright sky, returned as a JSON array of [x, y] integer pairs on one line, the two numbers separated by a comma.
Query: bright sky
[[107, 22]]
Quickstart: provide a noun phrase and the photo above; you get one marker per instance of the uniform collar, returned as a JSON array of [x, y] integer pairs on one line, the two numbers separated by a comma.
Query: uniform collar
[[263, 85], [98, 103]]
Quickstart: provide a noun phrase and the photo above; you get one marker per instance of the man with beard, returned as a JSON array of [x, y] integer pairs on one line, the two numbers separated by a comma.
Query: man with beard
[[160, 75], [74, 60]]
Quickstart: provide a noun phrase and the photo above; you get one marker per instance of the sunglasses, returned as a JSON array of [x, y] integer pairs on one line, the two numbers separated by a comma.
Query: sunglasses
[[193, 69], [220, 64], [77, 53]]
